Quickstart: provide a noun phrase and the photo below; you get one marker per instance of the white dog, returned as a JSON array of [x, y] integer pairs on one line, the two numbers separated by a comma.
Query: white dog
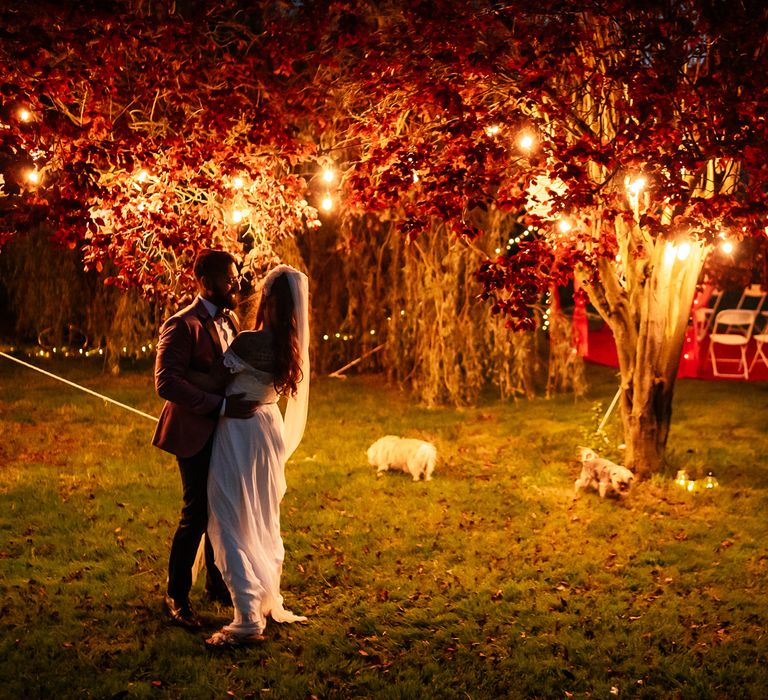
[[602, 474], [415, 457]]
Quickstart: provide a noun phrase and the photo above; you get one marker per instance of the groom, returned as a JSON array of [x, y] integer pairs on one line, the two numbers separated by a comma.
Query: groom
[[194, 339]]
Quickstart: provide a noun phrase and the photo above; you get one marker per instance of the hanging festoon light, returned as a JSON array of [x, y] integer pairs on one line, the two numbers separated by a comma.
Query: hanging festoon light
[[237, 183], [329, 175], [526, 141], [238, 215], [683, 250], [33, 177], [726, 247], [636, 186], [24, 114], [670, 252], [327, 202], [564, 226]]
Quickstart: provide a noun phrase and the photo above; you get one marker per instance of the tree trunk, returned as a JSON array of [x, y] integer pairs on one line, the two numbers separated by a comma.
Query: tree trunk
[[647, 308]]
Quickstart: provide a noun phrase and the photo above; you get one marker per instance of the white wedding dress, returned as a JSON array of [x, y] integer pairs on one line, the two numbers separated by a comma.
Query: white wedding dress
[[246, 483]]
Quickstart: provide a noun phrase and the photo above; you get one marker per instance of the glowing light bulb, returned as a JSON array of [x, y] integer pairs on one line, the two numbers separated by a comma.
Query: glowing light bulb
[[636, 186], [670, 252], [142, 176], [327, 203], [329, 175], [415, 177], [526, 142], [25, 115], [237, 183], [683, 250], [726, 247], [564, 226], [33, 177], [325, 337], [237, 216], [492, 130]]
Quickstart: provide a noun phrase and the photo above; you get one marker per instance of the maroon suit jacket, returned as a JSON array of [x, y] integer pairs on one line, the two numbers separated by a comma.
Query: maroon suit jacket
[[188, 341]]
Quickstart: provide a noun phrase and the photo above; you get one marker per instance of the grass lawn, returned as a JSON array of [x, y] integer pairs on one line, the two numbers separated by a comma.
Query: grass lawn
[[491, 581]]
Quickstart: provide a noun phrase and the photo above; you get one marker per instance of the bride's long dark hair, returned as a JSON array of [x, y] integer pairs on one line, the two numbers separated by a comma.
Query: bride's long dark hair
[[276, 314]]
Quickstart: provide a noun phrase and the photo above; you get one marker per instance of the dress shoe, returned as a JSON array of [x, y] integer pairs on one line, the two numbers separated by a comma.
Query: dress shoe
[[182, 614], [220, 597]]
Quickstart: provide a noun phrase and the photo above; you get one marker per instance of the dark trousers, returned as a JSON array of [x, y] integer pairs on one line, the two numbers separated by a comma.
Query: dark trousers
[[192, 525]]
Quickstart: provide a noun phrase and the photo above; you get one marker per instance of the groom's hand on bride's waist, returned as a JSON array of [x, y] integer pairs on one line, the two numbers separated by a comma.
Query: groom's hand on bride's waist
[[236, 406]]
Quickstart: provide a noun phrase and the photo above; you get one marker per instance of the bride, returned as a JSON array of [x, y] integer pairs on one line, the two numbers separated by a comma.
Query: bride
[[246, 481]]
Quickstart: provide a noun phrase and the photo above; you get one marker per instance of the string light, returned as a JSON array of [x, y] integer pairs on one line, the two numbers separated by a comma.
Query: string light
[[327, 203], [415, 177], [143, 175], [726, 247], [25, 115], [564, 225], [526, 142], [492, 130], [329, 175], [636, 186], [33, 177], [237, 183], [238, 215], [683, 250]]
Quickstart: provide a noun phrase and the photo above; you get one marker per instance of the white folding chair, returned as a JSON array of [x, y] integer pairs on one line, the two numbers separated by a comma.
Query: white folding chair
[[737, 325], [761, 339], [704, 315], [752, 298]]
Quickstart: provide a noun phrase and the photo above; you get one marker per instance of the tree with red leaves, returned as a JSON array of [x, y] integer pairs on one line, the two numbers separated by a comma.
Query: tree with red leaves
[[631, 133], [144, 137]]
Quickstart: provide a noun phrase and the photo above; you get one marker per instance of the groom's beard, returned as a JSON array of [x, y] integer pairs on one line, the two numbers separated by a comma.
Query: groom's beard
[[225, 300]]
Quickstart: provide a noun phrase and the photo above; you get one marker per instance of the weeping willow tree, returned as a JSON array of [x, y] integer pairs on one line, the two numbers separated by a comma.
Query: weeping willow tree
[[412, 310], [57, 304]]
